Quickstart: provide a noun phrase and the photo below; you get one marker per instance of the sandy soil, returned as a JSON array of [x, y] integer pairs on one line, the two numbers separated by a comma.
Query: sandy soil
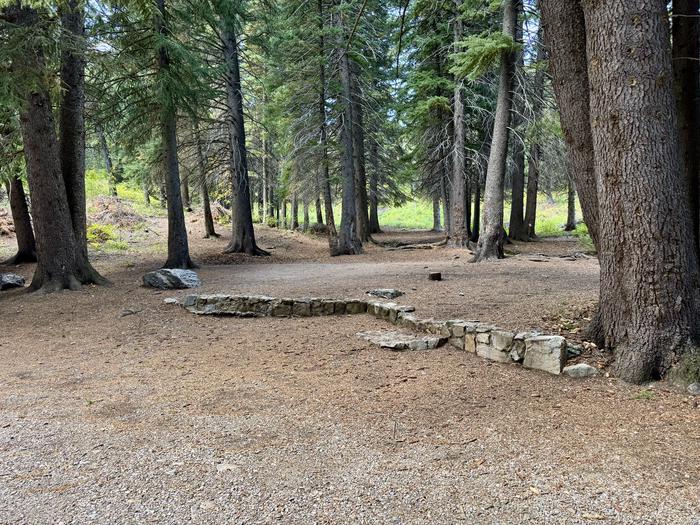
[[164, 417]]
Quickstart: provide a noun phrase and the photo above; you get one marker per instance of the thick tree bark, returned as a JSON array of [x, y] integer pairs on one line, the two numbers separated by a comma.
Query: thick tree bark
[[61, 264], [458, 234], [243, 234], [325, 174], [686, 71], [346, 242], [648, 264], [24, 233], [517, 230], [492, 238], [564, 35], [373, 188], [284, 214], [72, 132], [178, 246], [358, 148]]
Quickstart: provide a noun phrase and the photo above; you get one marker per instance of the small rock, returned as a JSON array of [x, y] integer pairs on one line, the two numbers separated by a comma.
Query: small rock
[[10, 280], [386, 293], [580, 370], [171, 300], [172, 279], [694, 389], [435, 276]]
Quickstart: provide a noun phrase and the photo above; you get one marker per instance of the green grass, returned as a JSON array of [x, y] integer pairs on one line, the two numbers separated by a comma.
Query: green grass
[[97, 185]]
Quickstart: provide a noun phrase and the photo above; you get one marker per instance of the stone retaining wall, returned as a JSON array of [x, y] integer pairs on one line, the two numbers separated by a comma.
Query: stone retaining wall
[[531, 349]]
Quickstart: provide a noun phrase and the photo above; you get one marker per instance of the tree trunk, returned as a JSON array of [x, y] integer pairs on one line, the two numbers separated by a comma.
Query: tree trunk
[[517, 230], [686, 71], [648, 266], [436, 214], [491, 239], [445, 200], [305, 226], [326, 177], [373, 189], [346, 242], [458, 233], [284, 214], [564, 34], [178, 246], [571, 207], [185, 184], [533, 179], [146, 192], [243, 234], [209, 230], [109, 168], [72, 133], [24, 233], [358, 148], [295, 212]]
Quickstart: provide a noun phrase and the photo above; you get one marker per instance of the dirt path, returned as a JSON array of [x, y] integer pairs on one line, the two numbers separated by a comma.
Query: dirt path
[[164, 417]]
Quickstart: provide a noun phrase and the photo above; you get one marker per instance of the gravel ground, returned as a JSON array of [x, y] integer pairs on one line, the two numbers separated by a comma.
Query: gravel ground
[[165, 417]]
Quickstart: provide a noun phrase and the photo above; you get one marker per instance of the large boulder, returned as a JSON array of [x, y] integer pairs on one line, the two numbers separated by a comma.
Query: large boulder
[[172, 279], [10, 280], [545, 352]]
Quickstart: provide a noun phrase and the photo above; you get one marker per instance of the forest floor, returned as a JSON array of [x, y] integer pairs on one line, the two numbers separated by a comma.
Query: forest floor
[[118, 408]]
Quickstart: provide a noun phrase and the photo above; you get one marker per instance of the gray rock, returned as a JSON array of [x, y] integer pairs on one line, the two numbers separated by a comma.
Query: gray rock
[[234, 305], [492, 346], [172, 279], [574, 350], [694, 389], [580, 370], [517, 350], [386, 293], [545, 352], [10, 280], [399, 341]]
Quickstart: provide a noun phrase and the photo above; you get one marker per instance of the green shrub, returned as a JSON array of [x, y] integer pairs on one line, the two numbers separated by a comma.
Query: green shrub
[[104, 237], [100, 233], [271, 222]]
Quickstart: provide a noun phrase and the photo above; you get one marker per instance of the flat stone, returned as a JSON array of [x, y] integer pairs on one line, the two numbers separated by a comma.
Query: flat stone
[[694, 389], [457, 342], [399, 341], [545, 352], [501, 340], [470, 342], [282, 308], [232, 305], [10, 280], [356, 307], [580, 370], [172, 279], [486, 349], [386, 293], [301, 308]]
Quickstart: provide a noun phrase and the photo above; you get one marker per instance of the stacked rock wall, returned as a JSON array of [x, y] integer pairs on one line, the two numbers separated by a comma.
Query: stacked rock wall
[[531, 349]]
